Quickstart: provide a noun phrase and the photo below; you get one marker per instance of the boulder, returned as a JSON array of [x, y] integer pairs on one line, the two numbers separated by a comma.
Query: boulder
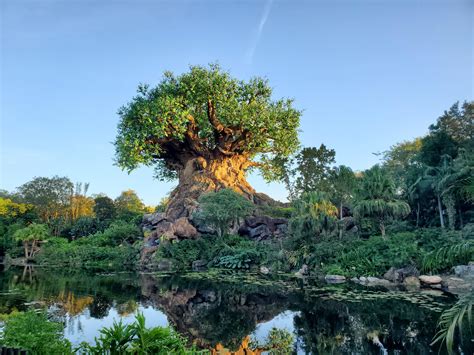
[[183, 229], [263, 227], [335, 279], [264, 270], [199, 265], [303, 271], [430, 280], [464, 270], [411, 282], [398, 275]]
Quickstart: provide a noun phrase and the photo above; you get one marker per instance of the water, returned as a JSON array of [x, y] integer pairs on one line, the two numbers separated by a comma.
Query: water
[[225, 308]]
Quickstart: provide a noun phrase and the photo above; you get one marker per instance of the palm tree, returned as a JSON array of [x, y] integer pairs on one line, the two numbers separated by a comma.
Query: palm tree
[[377, 198], [30, 237], [343, 183]]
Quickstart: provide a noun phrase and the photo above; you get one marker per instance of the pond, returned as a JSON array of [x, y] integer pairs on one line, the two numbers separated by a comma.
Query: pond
[[222, 309]]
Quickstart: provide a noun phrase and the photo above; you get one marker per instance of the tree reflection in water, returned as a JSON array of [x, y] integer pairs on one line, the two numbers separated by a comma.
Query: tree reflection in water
[[225, 314]]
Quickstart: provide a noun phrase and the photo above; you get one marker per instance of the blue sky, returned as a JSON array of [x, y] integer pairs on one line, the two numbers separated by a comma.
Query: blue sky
[[367, 74]]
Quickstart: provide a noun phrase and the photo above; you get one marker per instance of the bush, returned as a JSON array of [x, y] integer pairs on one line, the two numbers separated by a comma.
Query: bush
[[230, 251], [219, 209], [84, 226], [135, 338], [34, 332], [117, 234]]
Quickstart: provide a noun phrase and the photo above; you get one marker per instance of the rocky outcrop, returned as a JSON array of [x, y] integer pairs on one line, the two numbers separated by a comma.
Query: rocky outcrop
[[263, 227], [159, 226], [335, 279]]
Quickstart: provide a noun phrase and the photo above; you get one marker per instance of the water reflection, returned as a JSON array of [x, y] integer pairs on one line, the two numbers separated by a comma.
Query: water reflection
[[228, 313]]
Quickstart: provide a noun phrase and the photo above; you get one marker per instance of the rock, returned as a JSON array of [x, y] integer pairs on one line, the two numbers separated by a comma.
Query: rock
[[183, 229], [263, 227], [199, 265], [335, 279], [363, 279], [398, 275], [264, 270], [355, 279], [391, 275], [375, 281], [411, 282], [164, 229], [164, 265], [458, 285], [303, 271], [430, 280], [464, 270], [261, 232]]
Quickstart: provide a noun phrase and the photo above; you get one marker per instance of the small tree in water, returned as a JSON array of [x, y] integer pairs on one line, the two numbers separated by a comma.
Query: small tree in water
[[220, 209]]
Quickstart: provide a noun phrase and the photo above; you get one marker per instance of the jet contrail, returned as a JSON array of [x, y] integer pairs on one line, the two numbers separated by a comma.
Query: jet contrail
[[261, 25]]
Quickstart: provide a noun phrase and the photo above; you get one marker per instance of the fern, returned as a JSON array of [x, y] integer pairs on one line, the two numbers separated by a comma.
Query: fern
[[449, 256]]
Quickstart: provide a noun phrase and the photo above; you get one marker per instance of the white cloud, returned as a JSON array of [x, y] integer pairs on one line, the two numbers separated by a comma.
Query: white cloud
[[251, 51]]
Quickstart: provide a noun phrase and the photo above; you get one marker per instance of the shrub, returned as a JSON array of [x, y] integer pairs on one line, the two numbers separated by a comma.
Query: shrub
[[231, 251], [135, 338], [219, 209], [34, 332], [84, 226]]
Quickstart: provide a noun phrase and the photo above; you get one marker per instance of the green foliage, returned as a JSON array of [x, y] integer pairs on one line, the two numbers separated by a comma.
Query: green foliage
[[220, 209], [454, 321], [33, 232], [279, 342], [104, 208], [50, 196], [198, 113], [84, 226], [107, 250], [445, 257], [136, 338], [313, 219], [377, 198], [229, 251], [32, 331]]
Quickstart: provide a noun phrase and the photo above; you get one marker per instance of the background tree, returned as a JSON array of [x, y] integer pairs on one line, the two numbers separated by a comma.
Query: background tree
[[50, 196], [129, 206], [313, 169], [222, 208], [343, 183], [30, 237], [81, 204], [104, 208], [377, 198], [207, 129]]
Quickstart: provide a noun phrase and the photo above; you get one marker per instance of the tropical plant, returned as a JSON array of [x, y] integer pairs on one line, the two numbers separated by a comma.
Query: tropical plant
[[32, 331], [453, 321], [30, 237], [377, 198]]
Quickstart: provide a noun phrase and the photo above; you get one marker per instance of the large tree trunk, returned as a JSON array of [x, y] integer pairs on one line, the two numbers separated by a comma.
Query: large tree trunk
[[200, 176]]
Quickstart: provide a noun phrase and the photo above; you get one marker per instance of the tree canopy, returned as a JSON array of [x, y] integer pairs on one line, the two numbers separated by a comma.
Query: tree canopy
[[206, 113]]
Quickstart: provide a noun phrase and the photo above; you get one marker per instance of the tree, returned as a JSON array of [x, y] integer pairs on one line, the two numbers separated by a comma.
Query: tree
[[220, 209], [458, 123], [104, 208], [313, 169], [50, 196], [129, 201], [207, 129], [377, 198], [81, 205], [10, 209], [343, 183], [30, 237]]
